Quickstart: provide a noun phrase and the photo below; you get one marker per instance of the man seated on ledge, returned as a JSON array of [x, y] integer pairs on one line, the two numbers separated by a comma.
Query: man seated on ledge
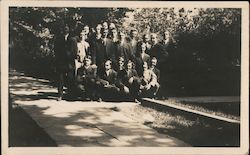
[[129, 82], [86, 79], [157, 73], [149, 85], [106, 80]]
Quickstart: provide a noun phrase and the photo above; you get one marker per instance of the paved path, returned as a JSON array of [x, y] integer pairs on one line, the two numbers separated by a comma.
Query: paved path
[[82, 123]]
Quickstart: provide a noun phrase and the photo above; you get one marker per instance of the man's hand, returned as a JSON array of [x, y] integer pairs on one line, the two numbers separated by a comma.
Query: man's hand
[[131, 80], [94, 66], [106, 84], [126, 89], [148, 86]]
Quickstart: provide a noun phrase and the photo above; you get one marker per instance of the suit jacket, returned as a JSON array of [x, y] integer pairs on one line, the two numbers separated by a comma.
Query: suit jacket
[[111, 78], [170, 48], [110, 48], [159, 52], [65, 52], [86, 73], [125, 50], [98, 53], [134, 45], [123, 77]]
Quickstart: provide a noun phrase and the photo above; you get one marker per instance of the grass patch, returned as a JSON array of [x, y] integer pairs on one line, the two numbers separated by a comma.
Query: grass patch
[[191, 129]]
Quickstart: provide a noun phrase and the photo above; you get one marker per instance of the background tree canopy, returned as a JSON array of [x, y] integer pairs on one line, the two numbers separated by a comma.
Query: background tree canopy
[[206, 57]]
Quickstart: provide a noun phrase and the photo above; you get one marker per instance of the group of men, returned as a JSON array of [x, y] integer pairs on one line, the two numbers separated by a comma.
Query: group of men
[[104, 63]]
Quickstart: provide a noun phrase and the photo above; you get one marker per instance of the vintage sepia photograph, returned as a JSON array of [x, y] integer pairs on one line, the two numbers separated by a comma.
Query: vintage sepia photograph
[[128, 78]]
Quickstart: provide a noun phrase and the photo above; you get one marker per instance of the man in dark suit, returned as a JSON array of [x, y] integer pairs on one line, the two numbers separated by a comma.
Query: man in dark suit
[[98, 49], [134, 40], [146, 40], [129, 82], [88, 34], [86, 78], [124, 48], [108, 46], [65, 53], [157, 50], [141, 57], [106, 80], [105, 28], [169, 45]]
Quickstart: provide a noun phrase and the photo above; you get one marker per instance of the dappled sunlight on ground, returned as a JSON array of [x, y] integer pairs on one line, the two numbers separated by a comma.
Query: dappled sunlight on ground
[[81, 123]]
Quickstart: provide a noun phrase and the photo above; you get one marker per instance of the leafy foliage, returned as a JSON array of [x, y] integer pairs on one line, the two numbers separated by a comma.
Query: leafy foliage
[[208, 40]]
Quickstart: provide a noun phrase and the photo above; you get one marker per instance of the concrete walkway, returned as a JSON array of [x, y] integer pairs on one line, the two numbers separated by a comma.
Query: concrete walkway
[[82, 123]]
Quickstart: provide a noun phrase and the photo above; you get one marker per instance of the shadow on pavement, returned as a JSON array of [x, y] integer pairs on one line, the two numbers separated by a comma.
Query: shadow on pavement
[[75, 127], [23, 131]]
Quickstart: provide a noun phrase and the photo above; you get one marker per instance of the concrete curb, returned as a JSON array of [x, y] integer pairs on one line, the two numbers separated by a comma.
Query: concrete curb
[[151, 101]]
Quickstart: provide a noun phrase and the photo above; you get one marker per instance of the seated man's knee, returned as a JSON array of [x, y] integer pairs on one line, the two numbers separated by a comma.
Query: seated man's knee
[[80, 87]]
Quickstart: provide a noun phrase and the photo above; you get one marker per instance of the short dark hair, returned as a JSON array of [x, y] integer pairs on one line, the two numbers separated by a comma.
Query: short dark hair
[[133, 30], [88, 57], [110, 62]]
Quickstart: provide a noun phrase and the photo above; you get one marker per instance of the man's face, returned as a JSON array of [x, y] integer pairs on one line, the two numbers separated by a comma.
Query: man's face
[[114, 32], [87, 62], [82, 35], [154, 62], [111, 25], [86, 29], [129, 65], [98, 29], [105, 25], [122, 35], [166, 35], [107, 65], [146, 38], [105, 33], [121, 63], [134, 34], [143, 47], [66, 30], [154, 39]]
